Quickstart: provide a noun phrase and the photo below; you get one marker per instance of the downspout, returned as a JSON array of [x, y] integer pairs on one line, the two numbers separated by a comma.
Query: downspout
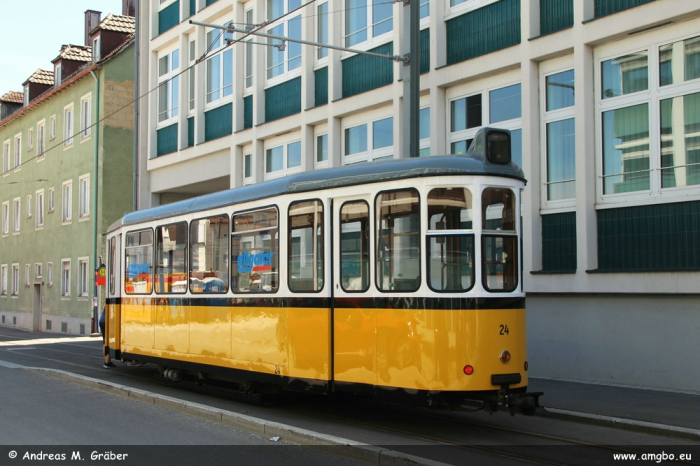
[[136, 107], [96, 159]]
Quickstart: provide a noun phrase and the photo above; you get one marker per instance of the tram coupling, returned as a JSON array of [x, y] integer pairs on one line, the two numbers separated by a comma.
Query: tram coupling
[[527, 404]]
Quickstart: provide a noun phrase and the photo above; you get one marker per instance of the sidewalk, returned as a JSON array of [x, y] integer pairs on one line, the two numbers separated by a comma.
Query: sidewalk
[[649, 410]]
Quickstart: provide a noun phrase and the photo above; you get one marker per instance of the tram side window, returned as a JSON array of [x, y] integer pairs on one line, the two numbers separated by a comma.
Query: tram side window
[[354, 246], [499, 242], [209, 253], [306, 246], [138, 262], [450, 247], [398, 240], [254, 245], [112, 265], [171, 258]]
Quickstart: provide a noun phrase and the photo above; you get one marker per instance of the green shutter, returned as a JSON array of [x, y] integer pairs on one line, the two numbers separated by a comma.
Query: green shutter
[[363, 73], [608, 7], [424, 51], [218, 122], [559, 242], [190, 132], [193, 7], [283, 100], [493, 27], [321, 87], [169, 17], [660, 237], [248, 112], [166, 140], [556, 15], [210, 2]]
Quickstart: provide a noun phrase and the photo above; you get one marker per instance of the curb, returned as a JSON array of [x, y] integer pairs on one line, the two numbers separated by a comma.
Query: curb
[[626, 424], [358, 451]]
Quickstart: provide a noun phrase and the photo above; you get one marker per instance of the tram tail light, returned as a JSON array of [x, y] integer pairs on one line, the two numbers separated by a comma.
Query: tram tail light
[[469, 370], [505, 356]]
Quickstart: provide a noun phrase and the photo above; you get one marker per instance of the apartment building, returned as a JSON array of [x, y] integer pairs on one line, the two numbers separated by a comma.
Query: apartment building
[[67, 155], [601, 97]]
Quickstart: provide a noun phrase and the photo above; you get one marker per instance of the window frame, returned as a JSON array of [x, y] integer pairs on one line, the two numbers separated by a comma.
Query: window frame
[[322, 243], [30, 139], [280, 269], [7, 156], [29, 206], [84, 189], [125, 268], [652, 98], [286, 169], [5, 218], [68, 128], [18, 152], [287, 72], [40, 140], [15, 279], [370, 154], [85, 117], [220, 54], [17, 215], [52, 200], [49, 274], [191, 249], [39, 217], [171, 81], [83, 277], [65, 282], [52, 127], [157, 243], [3, 280], [67, 208], [371, 40]]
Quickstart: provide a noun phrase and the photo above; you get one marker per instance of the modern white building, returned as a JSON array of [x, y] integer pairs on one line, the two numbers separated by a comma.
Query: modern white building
[[602, 98]]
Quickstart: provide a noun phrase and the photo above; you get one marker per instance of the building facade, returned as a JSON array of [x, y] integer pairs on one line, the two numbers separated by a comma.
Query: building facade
[[67, 153], [601, 97]]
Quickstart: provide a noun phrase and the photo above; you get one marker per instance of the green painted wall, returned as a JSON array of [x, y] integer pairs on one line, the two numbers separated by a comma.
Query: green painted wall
[[58, 240]]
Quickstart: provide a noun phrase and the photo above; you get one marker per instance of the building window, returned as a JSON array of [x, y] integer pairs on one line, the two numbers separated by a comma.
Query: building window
[[282, 160], [321, 148], [65, 278], [67, 201], [247, 169], [249, 51], [5, 217], [85, 119], [96, 49], [168, 88], [368, 141], [6, 156], [40, 139], [29, 206], [16, 205], [367, 19], [52, 127], [220, 66], [30, 139], [83, 277], [39, 219], [3, 280], [18, 151], [641, 154], [322, 29], [281, 60], [68, 126], [501, 106], [27, 275], [84, 193], [52, 200], [424, 132], [49, 273], [191, 75], [38, 270], [57, 75], [15, 279], [559, 170]]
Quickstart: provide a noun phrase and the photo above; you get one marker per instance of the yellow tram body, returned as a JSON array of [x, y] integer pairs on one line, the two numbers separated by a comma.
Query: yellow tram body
[[437, 311]]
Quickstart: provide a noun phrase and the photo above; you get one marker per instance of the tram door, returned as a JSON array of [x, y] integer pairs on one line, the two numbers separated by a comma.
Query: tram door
[[113, 306], [354, 345]]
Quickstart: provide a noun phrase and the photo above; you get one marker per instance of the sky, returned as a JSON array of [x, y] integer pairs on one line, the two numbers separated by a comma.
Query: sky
[[33, 31]]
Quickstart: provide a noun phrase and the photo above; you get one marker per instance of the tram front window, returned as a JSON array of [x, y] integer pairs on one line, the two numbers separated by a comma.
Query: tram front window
[[499, 243], [398, 241], [354, 246], [450, 243]]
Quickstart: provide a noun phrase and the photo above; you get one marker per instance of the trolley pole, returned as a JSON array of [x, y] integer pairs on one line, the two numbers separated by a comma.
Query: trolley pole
[[410, 73]]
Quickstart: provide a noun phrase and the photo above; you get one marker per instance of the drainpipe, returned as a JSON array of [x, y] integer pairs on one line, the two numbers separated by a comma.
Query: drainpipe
[[95, 295], [137, 7]]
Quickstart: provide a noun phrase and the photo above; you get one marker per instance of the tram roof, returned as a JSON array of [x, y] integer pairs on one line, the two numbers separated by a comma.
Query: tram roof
[[363, 173]]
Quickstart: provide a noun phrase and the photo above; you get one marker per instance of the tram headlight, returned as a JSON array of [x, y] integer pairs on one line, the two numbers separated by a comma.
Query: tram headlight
[[505, 356]]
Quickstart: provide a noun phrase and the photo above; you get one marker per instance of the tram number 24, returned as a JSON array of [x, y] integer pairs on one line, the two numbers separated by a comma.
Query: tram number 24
[[504, 330]]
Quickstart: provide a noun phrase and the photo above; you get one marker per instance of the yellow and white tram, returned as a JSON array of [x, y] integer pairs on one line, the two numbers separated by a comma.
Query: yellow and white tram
[[399, 280]]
